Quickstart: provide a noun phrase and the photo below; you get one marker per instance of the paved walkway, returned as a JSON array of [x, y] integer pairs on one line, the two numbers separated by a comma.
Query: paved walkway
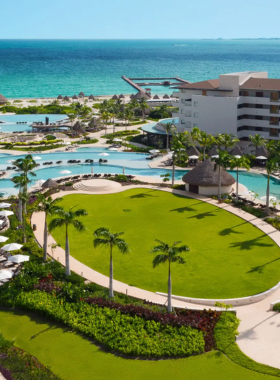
[[259, 328]]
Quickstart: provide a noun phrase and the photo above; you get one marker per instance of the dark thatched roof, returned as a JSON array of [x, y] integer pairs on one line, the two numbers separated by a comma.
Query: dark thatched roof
[[193, 151], [205, 175], [78, 127], [75, 97], [60, 97], [3, 99], [156, 97], [81, 93], [141, 94], [115, 97], [166, 96], [236, 151], [132, 96], [262, 151], [91, 97], [50, 184], [213, 152], [121, 96], [93, 123]]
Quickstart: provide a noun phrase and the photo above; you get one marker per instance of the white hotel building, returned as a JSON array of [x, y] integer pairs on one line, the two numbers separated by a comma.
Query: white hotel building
[[245, 103]]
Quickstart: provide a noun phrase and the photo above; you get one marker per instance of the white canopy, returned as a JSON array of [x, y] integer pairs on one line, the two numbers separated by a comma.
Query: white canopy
[[261, 158], [40, 182], [6, 213], [18, 258], [215, 156], [154, 151], [11, 247], [237, 156], [3, 239], [5, 274], [103, 154], [65, 172], [194, 157], [117, 140], [5, 205], [37, 158], [115, 149], [271, 199]]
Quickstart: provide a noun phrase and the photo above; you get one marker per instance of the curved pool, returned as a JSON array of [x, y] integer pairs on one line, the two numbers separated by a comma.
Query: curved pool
[[10, 122]]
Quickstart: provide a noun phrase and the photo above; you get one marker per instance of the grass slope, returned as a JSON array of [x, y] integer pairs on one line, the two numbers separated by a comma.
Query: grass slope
[[228, 257], [73, 357]]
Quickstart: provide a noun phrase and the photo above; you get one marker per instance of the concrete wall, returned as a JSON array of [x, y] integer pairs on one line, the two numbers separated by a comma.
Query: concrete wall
[[211, 190]]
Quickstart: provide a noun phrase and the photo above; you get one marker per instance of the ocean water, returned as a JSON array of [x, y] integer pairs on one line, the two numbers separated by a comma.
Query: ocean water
[[47, 68]]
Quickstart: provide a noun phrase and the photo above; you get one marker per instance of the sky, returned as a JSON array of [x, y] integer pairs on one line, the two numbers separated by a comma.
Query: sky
[[144, 19]]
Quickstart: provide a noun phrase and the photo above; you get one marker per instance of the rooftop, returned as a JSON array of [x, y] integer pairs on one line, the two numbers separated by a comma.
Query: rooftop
[[261, 83]]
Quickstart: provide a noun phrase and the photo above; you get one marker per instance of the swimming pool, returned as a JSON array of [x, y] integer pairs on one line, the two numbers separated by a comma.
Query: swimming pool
[[10, 121], [133, 163]]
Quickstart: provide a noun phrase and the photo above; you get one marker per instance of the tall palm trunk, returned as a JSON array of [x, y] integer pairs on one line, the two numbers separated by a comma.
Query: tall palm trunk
[[267, 195], [23, 228], [173, 171], [67, 255], [45, 238], [237, 183], [219, 187], [111, 290], [169, 305], [167, 141], [204, 153], [19, 206]]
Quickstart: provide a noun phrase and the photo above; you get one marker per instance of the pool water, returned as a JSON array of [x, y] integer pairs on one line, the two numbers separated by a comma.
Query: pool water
[[10, 121]]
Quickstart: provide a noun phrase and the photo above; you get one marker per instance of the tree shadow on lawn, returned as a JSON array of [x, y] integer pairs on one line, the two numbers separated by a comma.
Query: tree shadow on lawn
[[183, 209], [143, 195], [249, 244], [228, 231], [260, 268], [204, 215]]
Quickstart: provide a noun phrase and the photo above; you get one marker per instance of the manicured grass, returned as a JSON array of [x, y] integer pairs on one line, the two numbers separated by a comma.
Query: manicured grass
[[228, 257], [73, 357]]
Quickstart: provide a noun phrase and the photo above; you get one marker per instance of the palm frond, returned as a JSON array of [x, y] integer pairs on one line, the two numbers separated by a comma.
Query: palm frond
[[159, 259], [78, 225], [55, 223]]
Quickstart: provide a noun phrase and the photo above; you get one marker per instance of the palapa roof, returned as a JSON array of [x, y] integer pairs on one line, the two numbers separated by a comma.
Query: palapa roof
[[192, 151], [60, 97], [78, 127], [205, 175], [75, 97], [3, 99], [262, 151], [166, 96], [66, 98], [213, 151], [50, 184], [81, 93], [261, 84], [115, 97], [236, 151], [141, 94], [132, 96], [156, 97], [121, 96], [91, 97], [93, 123]]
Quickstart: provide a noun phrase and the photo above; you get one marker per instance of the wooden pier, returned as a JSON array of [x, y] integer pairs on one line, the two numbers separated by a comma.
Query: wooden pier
[[166, 82]]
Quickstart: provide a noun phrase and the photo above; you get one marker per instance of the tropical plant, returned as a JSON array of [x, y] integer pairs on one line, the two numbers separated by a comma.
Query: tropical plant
[[168, 127], [143, 105], [105, 238], [105, 116], [165, 177], [127, 114], [163, 111], [205, 141], [71, 117], [68, 218], [239, 162], [168, 254], [257, 141], [226, 140], [20, 182], [179, 149], [49, 207], [271, 166], [223, 161], [195, 134]]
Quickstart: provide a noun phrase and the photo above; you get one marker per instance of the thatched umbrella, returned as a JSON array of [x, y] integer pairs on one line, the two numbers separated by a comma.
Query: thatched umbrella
[[156, 97], [91, 97], [78, 128], [3, 100], [81, 94], [166, 96], [75, 97], [121, 96], [132, 96], [60, 97], [262, 151], [140, 95], [205, 175], [213, 152], [66, 98], [93, 123], [115, 97], [236, 151], [50, 184], [193, 151]]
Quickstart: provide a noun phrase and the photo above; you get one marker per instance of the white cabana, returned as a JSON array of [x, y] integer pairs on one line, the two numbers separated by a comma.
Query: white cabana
[[154, 151], [117, 140], [115, 149]]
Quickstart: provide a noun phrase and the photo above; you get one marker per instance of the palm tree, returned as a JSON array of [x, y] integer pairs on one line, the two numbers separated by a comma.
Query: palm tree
[[71, 117], [170, 254], [67, 218], [168, 127], [143, 105], [23, 197], [223, 161], [163, 111], [49, 207], [127, 114], [242, 162], [20, 182], [205, 141], [179, 149], [195, 134], [257, 141], [271, 166], [114, 111], [226, 140], [105, 116], [105, 238]]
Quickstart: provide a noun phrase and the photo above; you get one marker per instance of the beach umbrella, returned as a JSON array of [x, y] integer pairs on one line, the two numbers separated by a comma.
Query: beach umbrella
[[11, 247], [60, 97], [91, 97], [113, 149], [6, 213], [65, 172], [194, 157], [75, 97], [121, 96], [1, 222], [271, 199], [117, 140], [3, 239], [237, 156], [18, 258], [215, 156], [5, 273], [154, 151], [37, 158], [156, 97], [261, 158], [5, 205], [115, 97], [103, 154], [49, 184], [166, 97]]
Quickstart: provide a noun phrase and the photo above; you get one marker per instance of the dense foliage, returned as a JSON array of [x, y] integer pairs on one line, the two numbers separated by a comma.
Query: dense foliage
[[43, 109], [120, 134]]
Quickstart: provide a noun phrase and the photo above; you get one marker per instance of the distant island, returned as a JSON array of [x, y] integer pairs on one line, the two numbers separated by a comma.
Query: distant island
[[257, 39]]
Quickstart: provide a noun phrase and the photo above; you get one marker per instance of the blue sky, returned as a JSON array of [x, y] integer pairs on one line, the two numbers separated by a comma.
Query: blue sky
[[128, 19]]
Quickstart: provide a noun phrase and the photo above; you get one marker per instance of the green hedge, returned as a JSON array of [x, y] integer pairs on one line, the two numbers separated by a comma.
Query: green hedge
[[225, 333]]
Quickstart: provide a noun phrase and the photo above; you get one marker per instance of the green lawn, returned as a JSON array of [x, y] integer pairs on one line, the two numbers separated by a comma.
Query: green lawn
[[228, 257], [73, 357]]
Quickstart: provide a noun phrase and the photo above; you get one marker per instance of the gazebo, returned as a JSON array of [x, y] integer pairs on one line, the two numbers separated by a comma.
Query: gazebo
[[81, 94], [91, 97], [192, 151], [166, 97], [60, 97], [78, 128], [156, 97], [204, 179], [115, 97], [66, 98], [236, 151], [50, 184], [3, 100]]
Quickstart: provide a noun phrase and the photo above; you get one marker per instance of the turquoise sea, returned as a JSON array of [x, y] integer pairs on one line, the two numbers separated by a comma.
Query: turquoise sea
[[47, 68]]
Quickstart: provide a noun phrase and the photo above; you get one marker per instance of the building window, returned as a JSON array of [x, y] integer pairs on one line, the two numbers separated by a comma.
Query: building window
[[245, 93], [183, 121], [274, 97], [258, 105], [259, 129], [195, 114], [195, 125], [195, 104], [274, 109], [188, 103], [274, 121], [259, 94], [258, 117], [188, 114], [274, 132]]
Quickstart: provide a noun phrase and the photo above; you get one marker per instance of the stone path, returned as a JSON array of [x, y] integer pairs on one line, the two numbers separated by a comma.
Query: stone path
[[259, 330]]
